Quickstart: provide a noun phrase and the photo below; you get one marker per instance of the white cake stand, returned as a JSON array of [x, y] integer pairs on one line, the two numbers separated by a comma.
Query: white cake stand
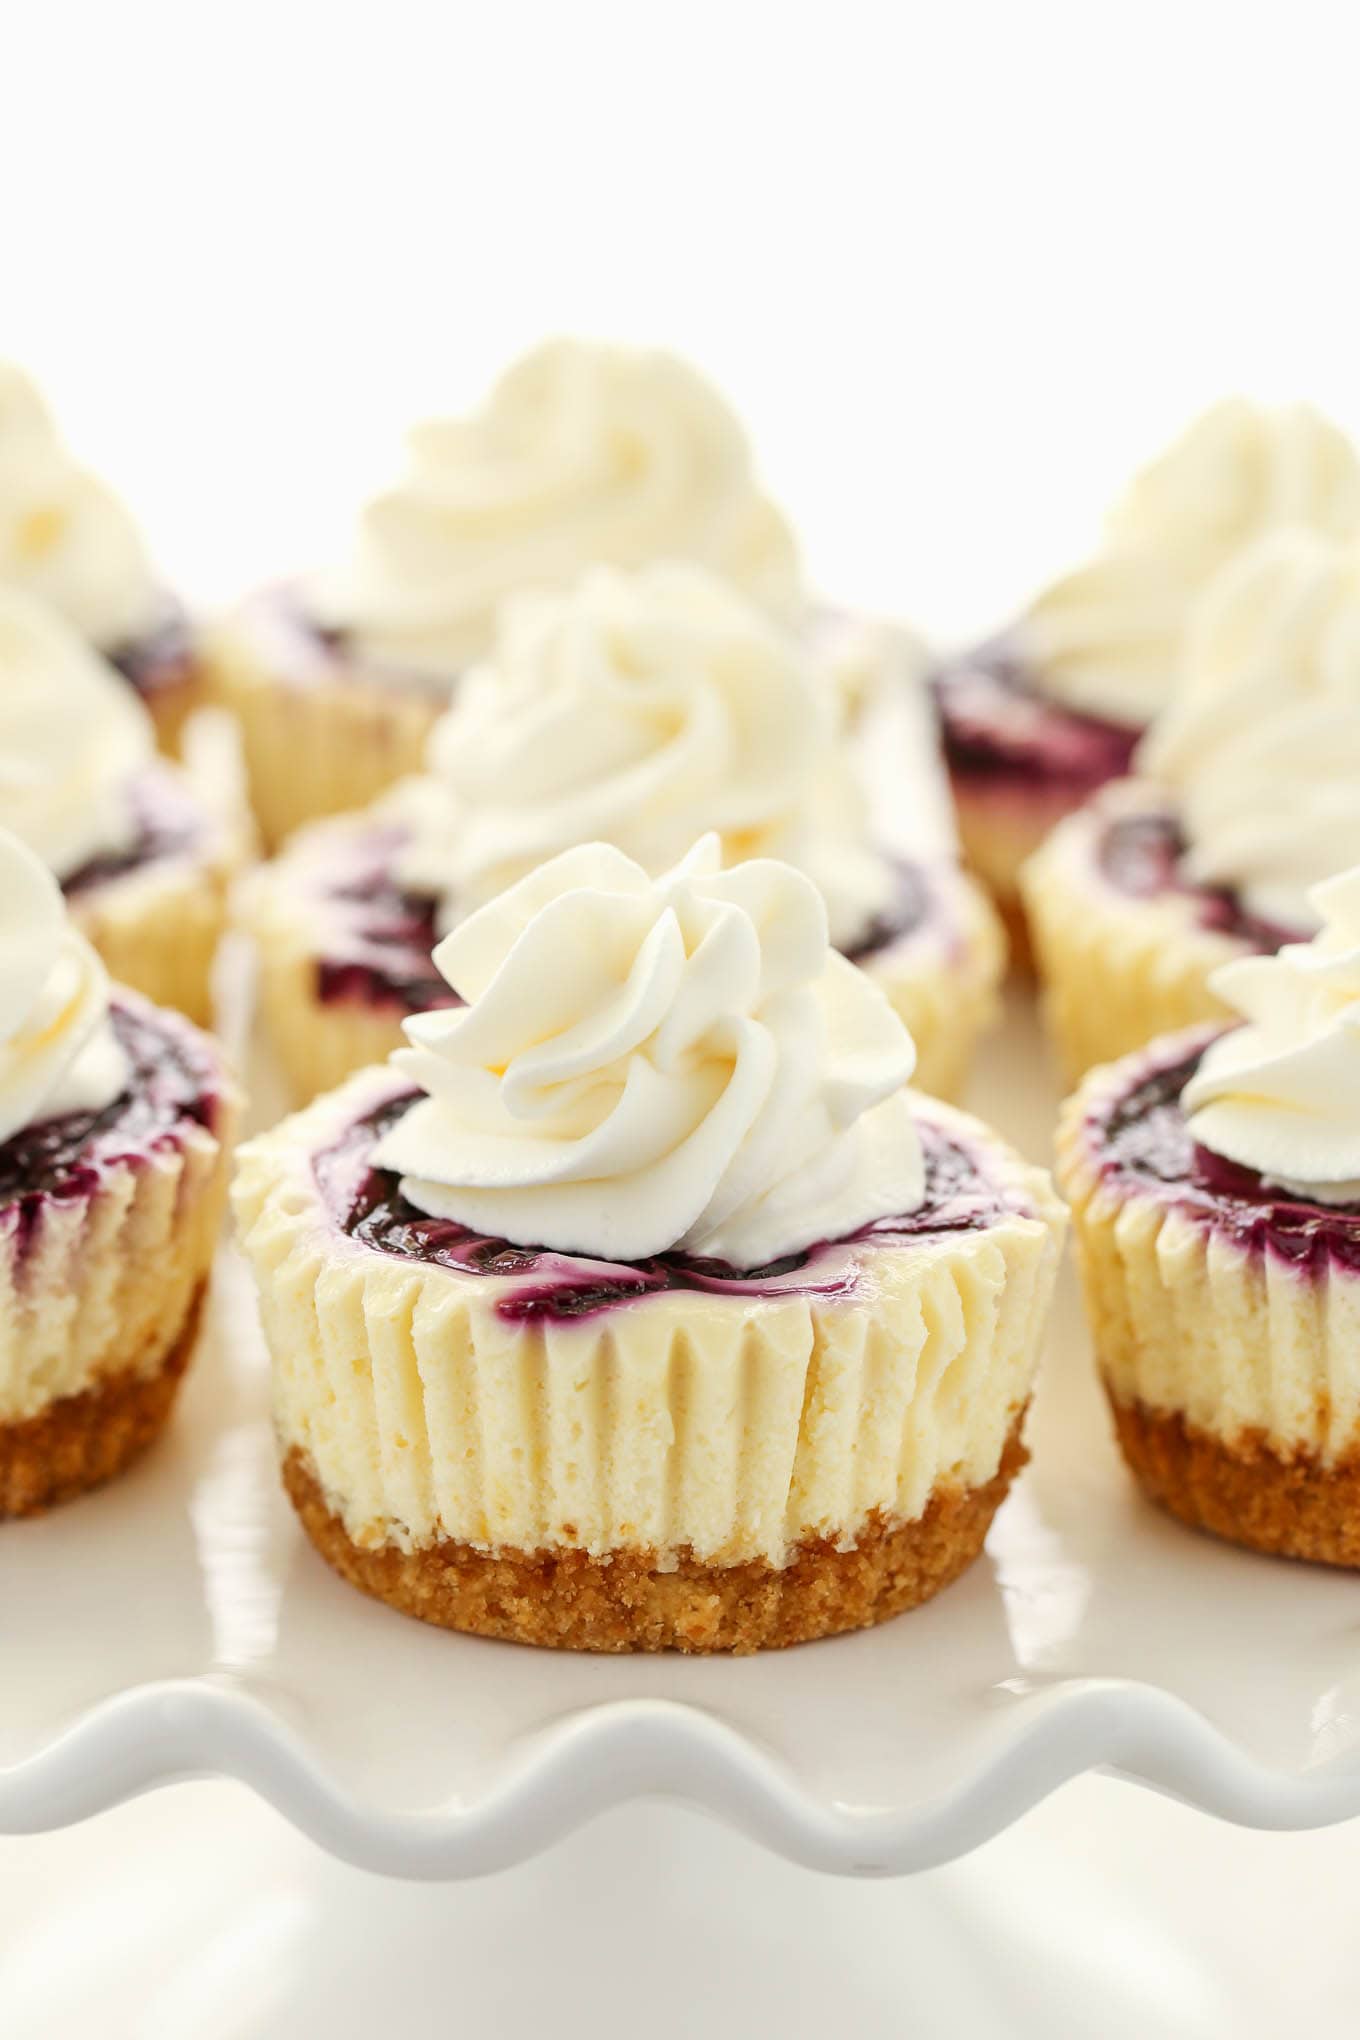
[[178, 1626]]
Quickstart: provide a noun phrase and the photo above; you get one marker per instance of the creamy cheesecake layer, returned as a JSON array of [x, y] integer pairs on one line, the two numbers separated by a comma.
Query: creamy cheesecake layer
[[1201, 1306], [727, 1422]]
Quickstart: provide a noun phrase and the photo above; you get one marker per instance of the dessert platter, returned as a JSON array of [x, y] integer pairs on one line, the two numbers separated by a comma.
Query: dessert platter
[[191, 1631], [631, 1373]]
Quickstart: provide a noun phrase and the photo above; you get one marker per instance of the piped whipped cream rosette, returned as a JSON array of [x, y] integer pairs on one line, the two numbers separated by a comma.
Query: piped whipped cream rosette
[[1215, 1184], [114, 1124], [636, 1304], [637, 709], [580, 454], [1281, 1095], [646, 1064], [1248, 797], [143, 858], [70, 543], [1039, 719]]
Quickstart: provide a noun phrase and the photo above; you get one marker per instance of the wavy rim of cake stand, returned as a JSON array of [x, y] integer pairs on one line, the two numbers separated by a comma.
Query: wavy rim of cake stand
[[605, 1755]]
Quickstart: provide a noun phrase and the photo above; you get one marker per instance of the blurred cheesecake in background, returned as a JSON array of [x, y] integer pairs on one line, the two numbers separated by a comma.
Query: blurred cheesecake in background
[[1247, 796], [638, 709], [1038, 719], [68, 541], [144, 848]]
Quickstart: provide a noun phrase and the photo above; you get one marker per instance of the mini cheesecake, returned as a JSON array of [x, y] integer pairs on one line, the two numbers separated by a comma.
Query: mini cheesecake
[[156, 908], [670, 1454], [108, 1224], [166, 666], [345, 954], [1125, 940], [1018, 763], [1225, 1313], [325, 726], [1036, 720]]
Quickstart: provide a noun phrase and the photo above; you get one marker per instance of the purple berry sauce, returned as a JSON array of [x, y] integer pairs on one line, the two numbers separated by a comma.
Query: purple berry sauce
[[367, 1205], [167, 823], [1145, 1139], [996, 726], [1140, 854], [172, 1084], [382, 936], [159, 659]]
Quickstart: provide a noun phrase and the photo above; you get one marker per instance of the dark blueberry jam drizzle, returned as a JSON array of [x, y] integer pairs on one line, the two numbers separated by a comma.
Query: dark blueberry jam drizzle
[[167, 823], [161, 658], [383, 936], [1140, 854], [996, 724], [367, 1204], [1145, 1136], [910, 907], [384, 952], [63, 1158]]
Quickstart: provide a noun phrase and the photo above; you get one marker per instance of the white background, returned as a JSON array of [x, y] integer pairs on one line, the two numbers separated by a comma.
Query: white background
[[960, 266]]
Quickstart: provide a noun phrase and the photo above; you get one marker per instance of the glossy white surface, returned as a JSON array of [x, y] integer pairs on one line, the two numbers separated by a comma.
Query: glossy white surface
[[179, 1625], [1106, 1911]]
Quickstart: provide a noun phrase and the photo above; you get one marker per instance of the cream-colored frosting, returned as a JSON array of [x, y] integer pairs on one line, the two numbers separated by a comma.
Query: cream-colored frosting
[[645, 1064], [1262, 748], [732, 1427], [72, 735], [641, 710], [1281, 1094], [64, 536], [1278, 626], [1107, 639], [58, 1052], [581, 454]]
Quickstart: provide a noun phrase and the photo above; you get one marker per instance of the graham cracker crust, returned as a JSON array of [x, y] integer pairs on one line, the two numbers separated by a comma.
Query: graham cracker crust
[[1245, 1492], [80, 1441], [567, 1600]]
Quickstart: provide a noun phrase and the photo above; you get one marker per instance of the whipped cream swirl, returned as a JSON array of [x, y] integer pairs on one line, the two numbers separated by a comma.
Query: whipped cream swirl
[[1281, 1095], [653, 1064], [1107, 639], [1263, 747], [580, 454], [641, 710], [64, 536], [58, 1052], [72, 738]]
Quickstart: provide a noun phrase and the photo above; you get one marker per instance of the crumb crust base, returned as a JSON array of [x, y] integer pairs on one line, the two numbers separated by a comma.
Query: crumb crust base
[[80, 1441], [569, 1600], [1294, 1506]]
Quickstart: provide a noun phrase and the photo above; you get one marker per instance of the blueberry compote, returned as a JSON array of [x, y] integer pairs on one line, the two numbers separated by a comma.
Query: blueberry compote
[[996, 724], [159, 659], [167, 822], [1145, 1136], [367, 1204], [170, 1083], [909, 908], [1140, 854], [380, 936]]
